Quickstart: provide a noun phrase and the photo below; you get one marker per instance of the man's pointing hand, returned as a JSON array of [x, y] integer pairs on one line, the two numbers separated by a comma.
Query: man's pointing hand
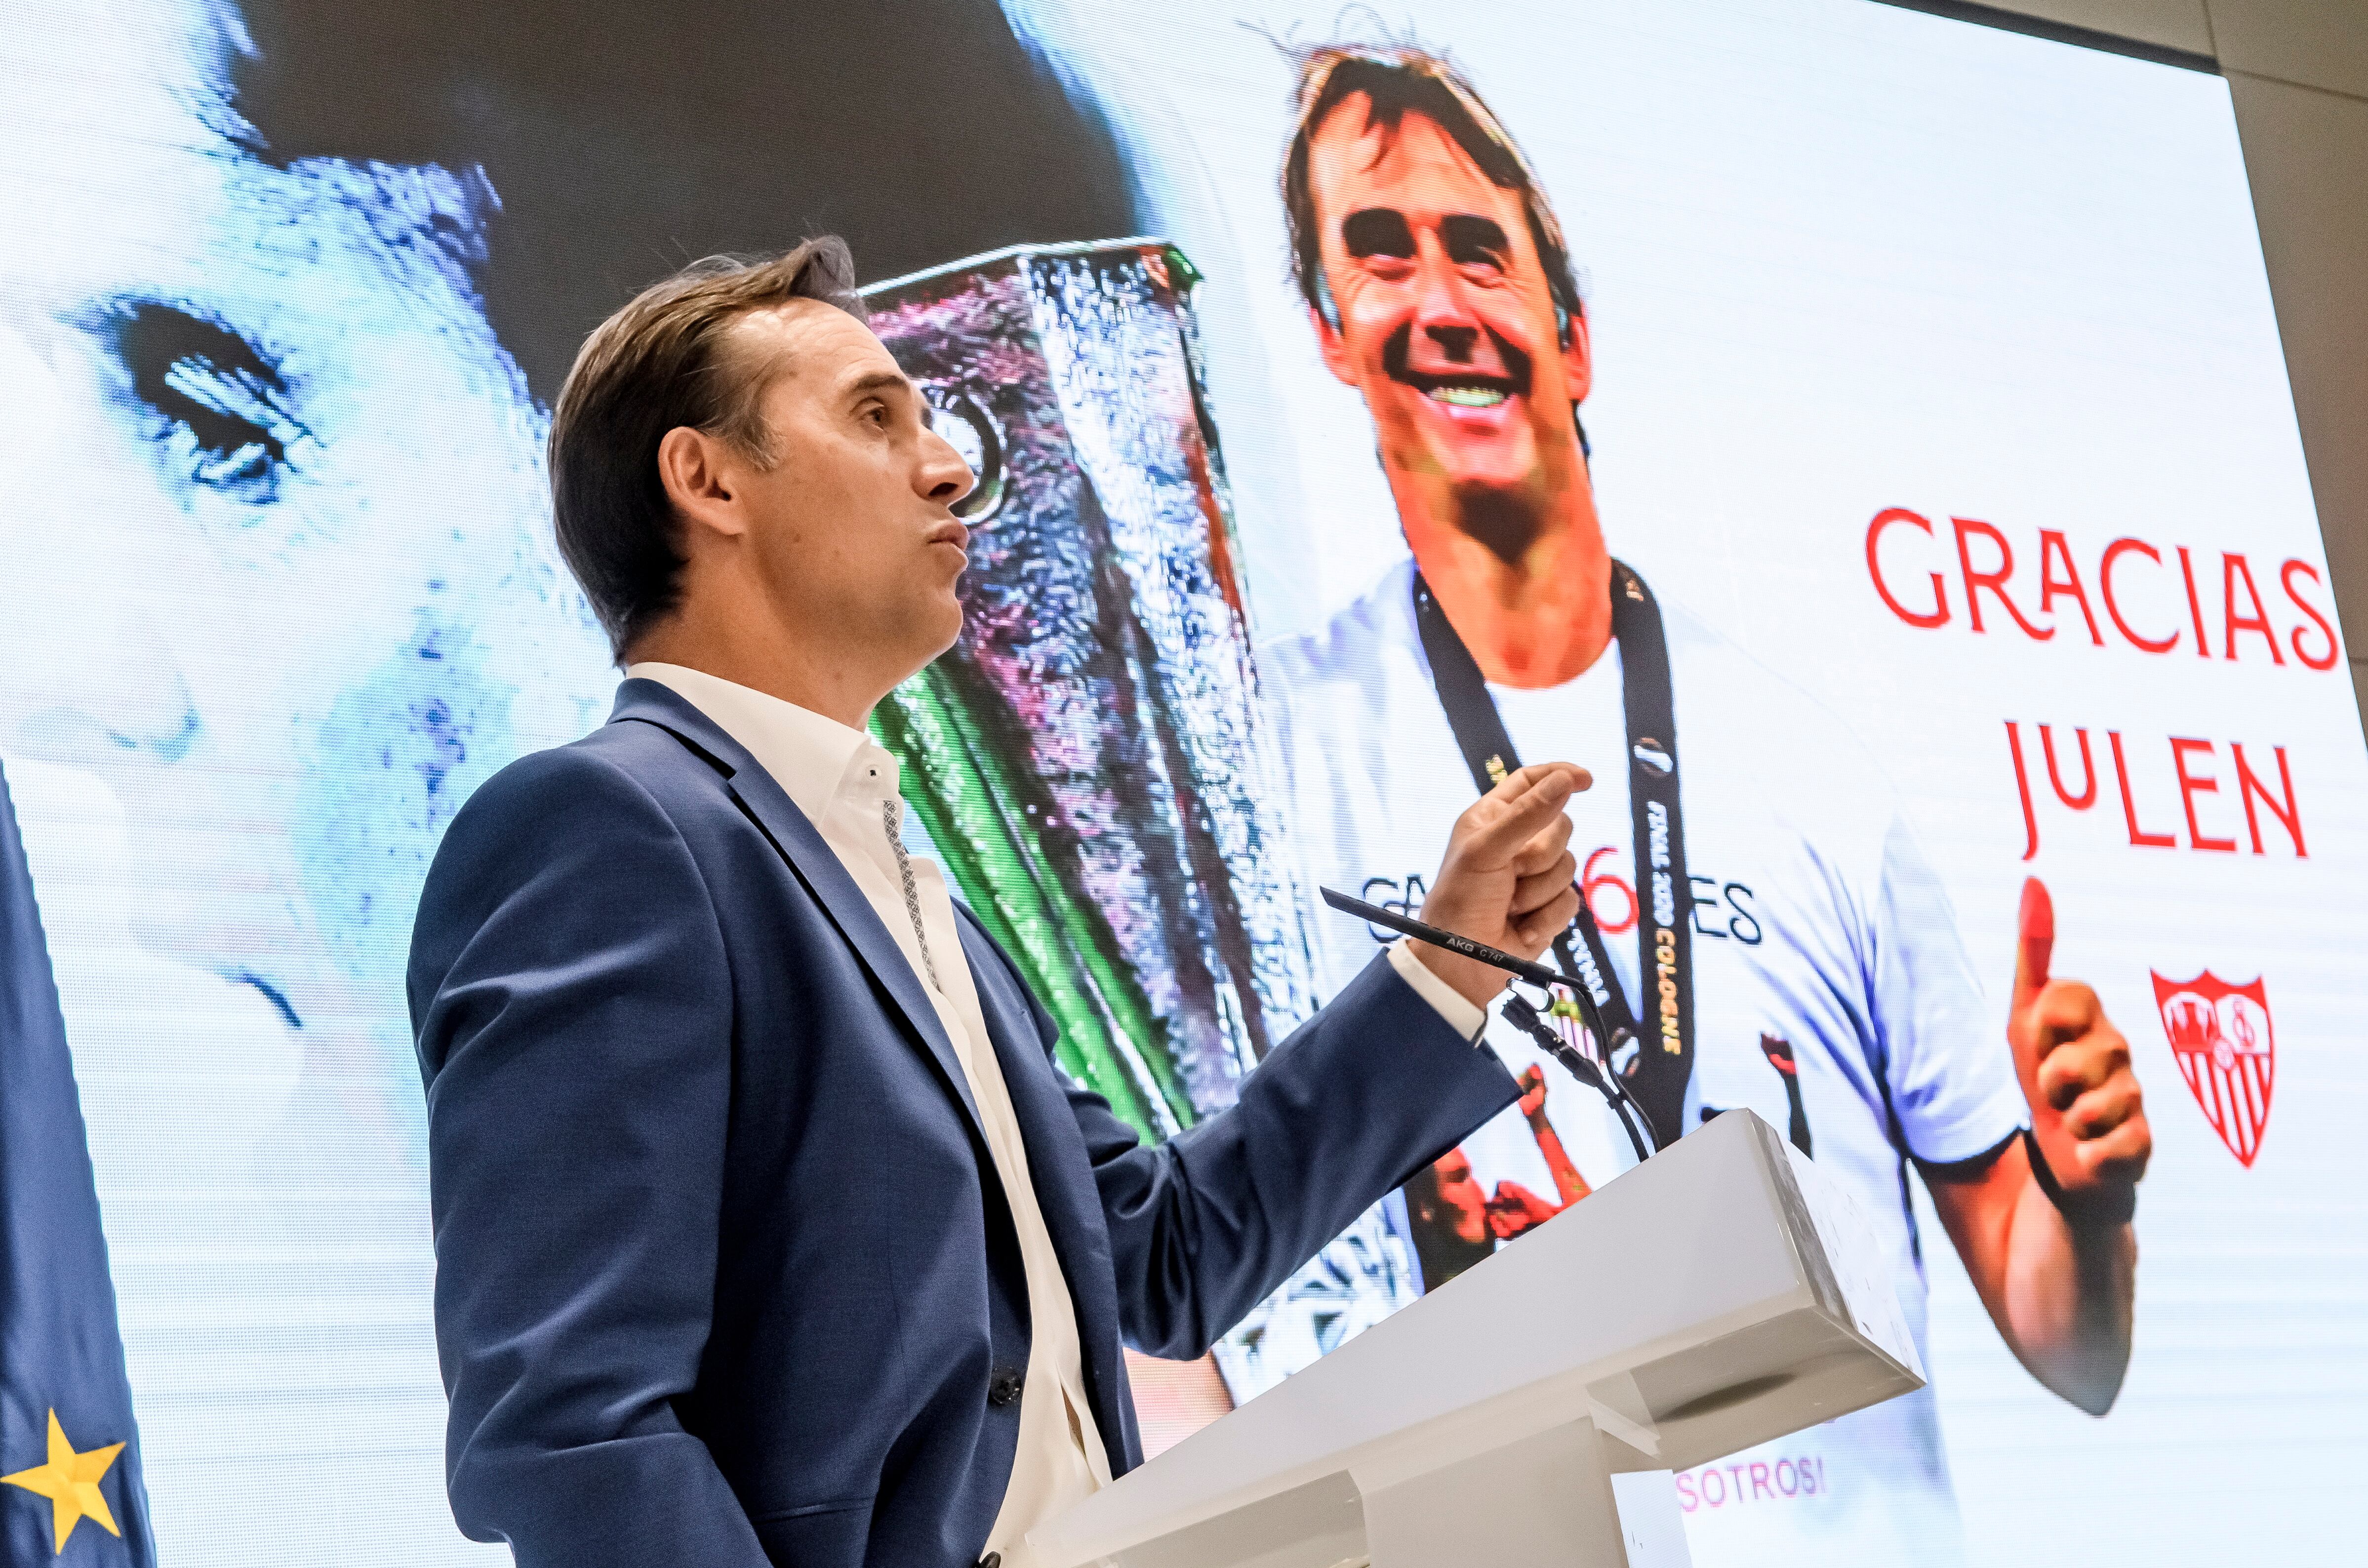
[[1508, 878]]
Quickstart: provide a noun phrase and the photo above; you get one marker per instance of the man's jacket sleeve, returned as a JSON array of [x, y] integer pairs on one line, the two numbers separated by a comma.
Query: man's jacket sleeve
[[1206, 1225], [570, 989]]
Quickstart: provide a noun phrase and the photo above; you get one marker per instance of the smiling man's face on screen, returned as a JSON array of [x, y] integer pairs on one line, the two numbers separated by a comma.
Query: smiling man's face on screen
[[1445, 320]]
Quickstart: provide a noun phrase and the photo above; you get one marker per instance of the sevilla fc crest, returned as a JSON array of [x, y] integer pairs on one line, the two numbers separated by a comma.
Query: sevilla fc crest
[[2220, 1035]]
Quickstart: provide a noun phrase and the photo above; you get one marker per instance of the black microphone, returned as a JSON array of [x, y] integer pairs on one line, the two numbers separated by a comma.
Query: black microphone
[[1517, 1008], [1523, 1016], [1496, 958]]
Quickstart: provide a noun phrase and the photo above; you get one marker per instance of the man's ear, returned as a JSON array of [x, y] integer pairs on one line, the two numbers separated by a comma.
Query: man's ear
[[1334, 350], [1578, 361], [696, 470]]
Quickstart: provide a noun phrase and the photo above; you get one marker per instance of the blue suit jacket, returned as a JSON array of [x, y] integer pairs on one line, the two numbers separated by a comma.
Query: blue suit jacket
[[725, 1275]]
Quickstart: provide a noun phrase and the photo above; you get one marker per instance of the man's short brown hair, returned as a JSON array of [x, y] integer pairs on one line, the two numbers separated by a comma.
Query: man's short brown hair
[[1396, 80], [660, 363]]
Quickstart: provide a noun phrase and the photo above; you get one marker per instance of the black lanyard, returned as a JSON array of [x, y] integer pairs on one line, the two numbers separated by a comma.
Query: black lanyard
[[1657, 1071]]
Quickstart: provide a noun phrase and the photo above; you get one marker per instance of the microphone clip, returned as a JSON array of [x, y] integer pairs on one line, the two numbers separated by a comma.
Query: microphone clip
[[1519, 1012]]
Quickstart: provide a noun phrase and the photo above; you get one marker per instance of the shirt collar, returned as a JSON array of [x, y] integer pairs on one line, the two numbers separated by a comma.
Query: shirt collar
[[809, 755]]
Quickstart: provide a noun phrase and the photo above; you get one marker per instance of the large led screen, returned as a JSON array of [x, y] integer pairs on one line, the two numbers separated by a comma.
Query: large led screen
[[1907, 393]]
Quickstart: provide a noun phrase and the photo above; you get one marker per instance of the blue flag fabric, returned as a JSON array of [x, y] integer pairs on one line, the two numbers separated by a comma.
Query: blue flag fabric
[[65, 1399]]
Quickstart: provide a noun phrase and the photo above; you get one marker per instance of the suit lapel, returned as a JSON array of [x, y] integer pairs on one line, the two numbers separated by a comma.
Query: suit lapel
[[814, 863]]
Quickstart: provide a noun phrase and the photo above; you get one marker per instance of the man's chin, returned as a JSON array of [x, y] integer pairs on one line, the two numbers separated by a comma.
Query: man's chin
[[945, 620], [1490, 446], [1502, 463]]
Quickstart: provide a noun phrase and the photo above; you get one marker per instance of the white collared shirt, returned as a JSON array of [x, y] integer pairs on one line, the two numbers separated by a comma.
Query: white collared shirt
[[847, 787]]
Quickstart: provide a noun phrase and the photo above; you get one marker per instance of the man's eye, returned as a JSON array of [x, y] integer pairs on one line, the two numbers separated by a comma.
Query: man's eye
[[1373, 232], [1476, 241], [223, 406]]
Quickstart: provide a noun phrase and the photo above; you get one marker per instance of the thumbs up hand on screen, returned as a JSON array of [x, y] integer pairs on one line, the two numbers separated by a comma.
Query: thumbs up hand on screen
[[2043, 1228], [2088, 1113]]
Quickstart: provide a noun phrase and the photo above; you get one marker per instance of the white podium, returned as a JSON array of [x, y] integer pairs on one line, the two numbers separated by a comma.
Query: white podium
[[1723, 1293]]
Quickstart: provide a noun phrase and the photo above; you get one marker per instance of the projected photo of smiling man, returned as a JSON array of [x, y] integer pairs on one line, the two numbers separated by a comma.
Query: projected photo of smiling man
[[1441, 289], [1766, 932]]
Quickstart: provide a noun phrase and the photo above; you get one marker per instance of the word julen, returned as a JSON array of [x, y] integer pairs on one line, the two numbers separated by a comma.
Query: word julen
[[2195, 768], [2140, 593]]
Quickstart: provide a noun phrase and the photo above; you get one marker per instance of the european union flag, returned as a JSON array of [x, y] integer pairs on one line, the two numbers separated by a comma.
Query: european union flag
[[70, 1487]]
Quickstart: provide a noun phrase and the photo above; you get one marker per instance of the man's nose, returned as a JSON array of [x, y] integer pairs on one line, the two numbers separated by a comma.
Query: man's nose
[[943, 476], [1455, 342], [84, 677], [1441, 311], [94, 688]]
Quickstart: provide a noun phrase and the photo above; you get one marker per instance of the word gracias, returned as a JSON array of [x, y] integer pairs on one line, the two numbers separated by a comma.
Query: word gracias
[[2134, 606]]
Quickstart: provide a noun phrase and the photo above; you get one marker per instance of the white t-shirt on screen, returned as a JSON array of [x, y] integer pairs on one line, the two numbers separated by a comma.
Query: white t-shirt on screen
[[1817, 922]]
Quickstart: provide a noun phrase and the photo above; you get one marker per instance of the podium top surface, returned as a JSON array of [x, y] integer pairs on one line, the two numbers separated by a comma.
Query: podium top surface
[[1721, 1294]]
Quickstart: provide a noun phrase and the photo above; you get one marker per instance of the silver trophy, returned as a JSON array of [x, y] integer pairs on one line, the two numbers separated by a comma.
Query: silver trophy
[[1090, 757]]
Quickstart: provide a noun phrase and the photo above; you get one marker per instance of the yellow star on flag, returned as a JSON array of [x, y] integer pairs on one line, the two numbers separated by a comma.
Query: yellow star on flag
[[70, 1480]]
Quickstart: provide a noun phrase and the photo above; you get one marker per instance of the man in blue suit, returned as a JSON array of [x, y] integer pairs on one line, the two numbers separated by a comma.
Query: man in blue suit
[[767, 1229]]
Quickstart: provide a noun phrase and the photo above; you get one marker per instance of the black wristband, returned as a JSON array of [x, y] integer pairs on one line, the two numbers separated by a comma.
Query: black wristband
[[2107, 1209]]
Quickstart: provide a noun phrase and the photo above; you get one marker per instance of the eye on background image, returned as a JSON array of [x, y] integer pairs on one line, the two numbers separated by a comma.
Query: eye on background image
[[973, 432], [221, 411]]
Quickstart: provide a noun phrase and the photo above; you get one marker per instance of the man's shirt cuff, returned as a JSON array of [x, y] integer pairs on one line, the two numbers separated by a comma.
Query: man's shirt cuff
[[1450, 1004]]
